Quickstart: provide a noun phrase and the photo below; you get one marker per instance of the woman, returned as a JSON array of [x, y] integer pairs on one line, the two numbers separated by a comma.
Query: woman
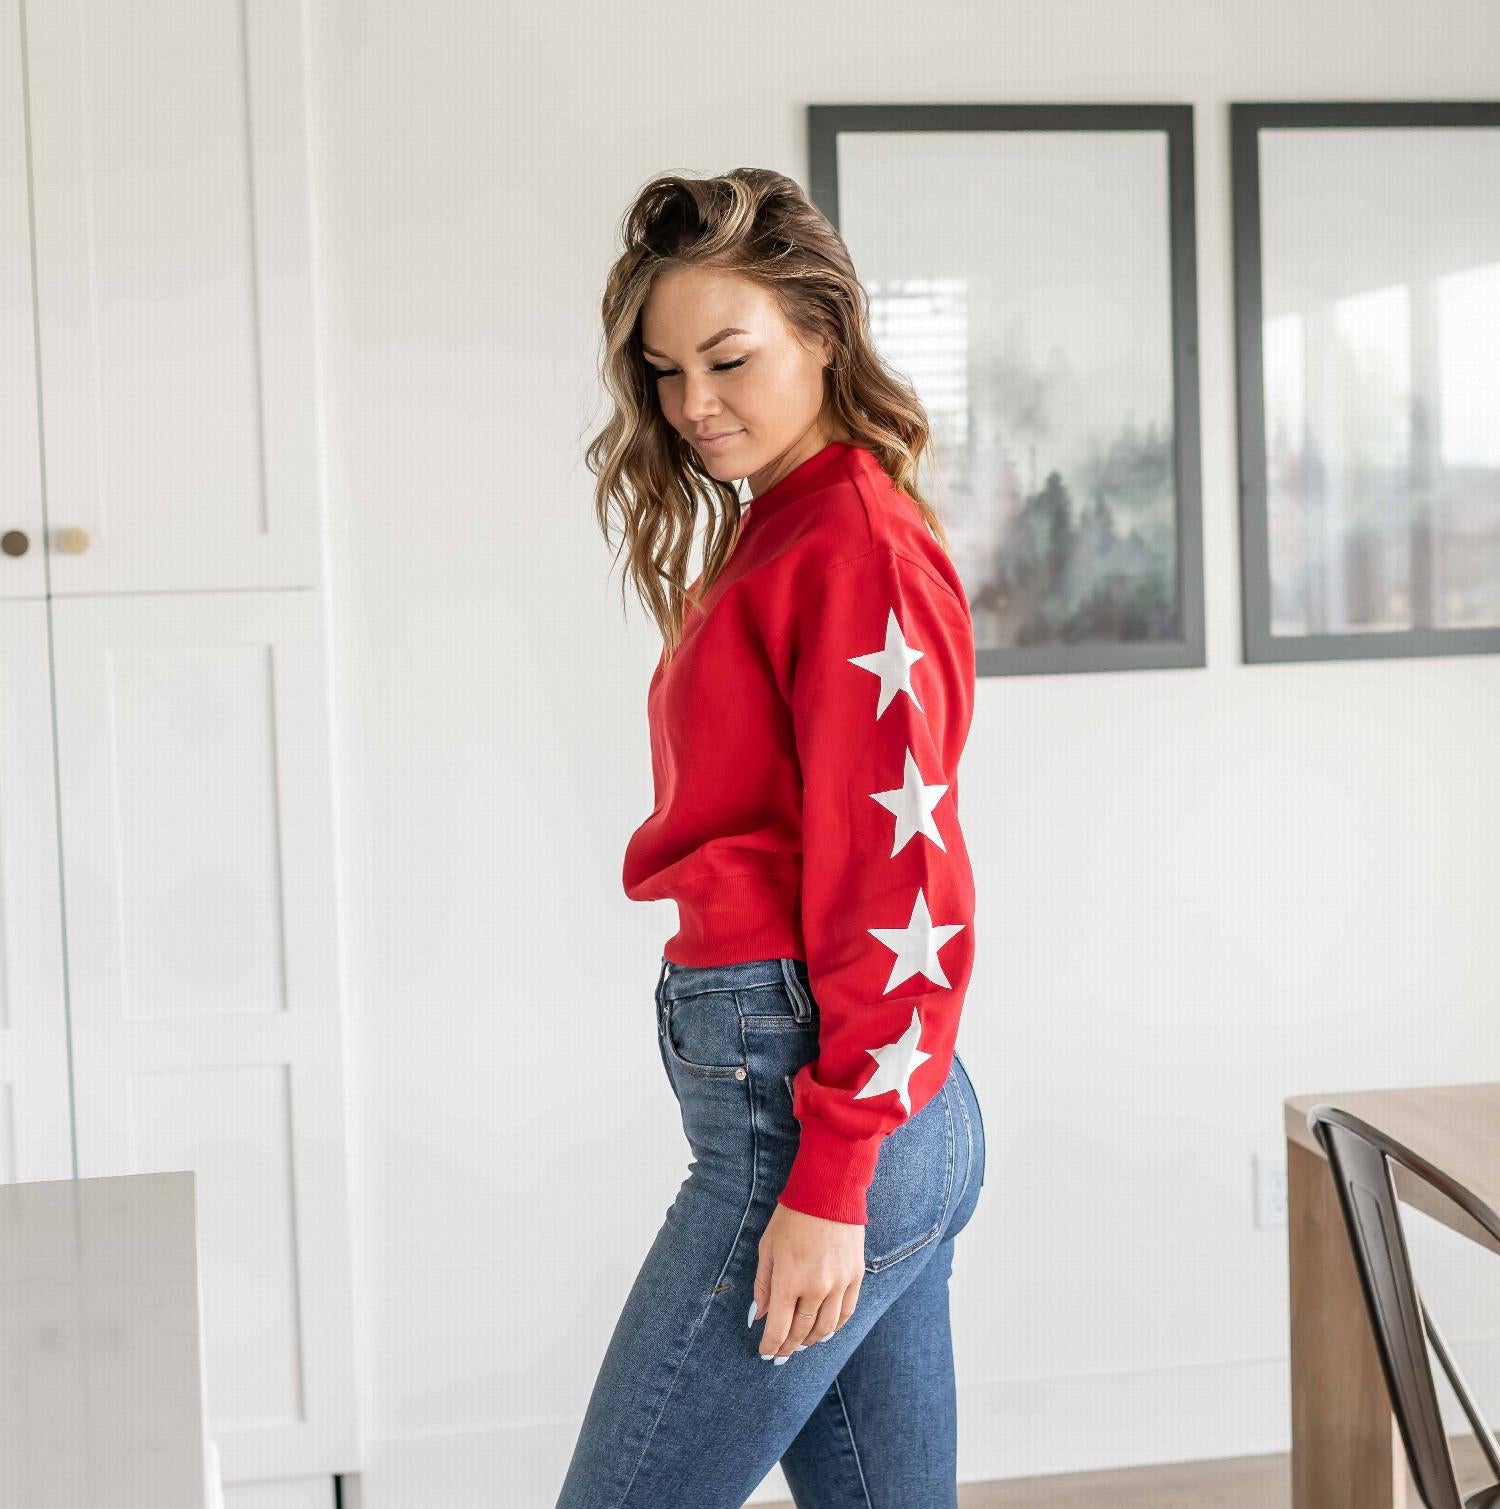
[[806, 719]]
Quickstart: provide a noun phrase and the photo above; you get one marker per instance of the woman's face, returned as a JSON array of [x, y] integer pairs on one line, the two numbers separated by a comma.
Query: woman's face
[[725, 362]]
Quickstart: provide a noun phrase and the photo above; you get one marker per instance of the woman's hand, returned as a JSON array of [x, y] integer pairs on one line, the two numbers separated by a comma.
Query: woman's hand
[[811, 1265]]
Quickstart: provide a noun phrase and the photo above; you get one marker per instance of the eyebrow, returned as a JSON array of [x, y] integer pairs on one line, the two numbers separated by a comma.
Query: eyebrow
[[713, 340]]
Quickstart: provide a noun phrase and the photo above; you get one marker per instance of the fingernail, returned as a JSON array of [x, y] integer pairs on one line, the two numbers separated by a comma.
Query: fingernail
[[800, 1347], [750, 1318], [780, 1360], [765, 1356]]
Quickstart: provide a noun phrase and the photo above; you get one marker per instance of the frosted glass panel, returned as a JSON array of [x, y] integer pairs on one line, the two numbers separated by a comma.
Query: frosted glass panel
[[1380, 287]]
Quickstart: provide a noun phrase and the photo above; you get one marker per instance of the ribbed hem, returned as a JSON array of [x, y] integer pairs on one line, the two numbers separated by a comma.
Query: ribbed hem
[[830, 1174], [733, 918]]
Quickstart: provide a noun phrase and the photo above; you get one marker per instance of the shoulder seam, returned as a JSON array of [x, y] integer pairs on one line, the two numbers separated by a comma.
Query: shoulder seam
[[900, 555]]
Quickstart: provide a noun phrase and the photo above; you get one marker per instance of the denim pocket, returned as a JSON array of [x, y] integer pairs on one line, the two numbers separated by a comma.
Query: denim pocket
[[700, 1035], [908, 1198], [907, 1202]]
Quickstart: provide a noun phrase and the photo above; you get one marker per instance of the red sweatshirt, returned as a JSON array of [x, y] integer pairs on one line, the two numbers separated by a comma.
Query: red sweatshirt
[[805, 741]]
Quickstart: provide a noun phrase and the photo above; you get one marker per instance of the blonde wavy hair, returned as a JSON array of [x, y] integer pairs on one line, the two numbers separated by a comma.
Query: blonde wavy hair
[[760, 225]]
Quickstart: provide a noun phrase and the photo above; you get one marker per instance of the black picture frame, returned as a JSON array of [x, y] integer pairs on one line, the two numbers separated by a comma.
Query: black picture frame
[[1174, 123], [1248, 120]]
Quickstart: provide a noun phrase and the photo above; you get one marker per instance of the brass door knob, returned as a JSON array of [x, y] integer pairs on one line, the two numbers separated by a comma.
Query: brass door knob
[[72, 540]]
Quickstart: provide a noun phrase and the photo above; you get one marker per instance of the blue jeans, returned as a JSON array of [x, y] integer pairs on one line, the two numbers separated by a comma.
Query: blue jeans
[[685, 1414]]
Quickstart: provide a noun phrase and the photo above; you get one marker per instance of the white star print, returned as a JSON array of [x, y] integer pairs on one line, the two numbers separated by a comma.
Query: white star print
[[892, 664], [912, 802], [896, 1061], [916, 945]]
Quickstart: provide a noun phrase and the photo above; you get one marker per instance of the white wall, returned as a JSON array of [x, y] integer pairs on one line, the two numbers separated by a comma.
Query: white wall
[[1200, 890]]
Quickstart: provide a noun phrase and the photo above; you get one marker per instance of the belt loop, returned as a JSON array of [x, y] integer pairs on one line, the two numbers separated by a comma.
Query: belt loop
[[801, 1005], [661, 979]]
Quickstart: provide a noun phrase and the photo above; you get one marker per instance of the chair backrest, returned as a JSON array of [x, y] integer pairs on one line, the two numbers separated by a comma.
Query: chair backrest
[[1358, 1155]]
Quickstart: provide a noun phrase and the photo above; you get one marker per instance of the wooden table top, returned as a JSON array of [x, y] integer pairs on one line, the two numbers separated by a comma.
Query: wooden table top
[[1455, 1127]]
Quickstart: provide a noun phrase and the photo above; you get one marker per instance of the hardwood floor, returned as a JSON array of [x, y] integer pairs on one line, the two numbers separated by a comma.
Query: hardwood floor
[[1237, 1483]]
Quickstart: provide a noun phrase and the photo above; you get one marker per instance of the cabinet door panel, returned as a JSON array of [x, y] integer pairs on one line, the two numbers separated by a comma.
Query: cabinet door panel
[[174, 294], [202, 950], [22, 573], [35, 1129]]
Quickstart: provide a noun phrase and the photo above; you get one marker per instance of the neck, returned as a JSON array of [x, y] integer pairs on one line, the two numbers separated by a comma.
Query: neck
[[769, 476]]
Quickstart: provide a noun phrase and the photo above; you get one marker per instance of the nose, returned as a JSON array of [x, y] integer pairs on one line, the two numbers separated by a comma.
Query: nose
[[698, 400]]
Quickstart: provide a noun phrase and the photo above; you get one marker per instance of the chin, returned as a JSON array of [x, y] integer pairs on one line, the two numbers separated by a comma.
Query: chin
[[723, 462]]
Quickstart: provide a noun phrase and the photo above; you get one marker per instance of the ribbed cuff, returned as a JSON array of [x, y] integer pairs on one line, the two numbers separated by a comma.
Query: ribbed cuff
[[830, 1174]]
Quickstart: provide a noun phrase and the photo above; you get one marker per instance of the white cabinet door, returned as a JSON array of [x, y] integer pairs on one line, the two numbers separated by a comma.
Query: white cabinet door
[[174, 275], [202, 958], [22, 569], [35, 1134]]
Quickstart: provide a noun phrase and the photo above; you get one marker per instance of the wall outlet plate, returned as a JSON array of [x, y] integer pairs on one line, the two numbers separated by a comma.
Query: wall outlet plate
[[1270, 1190]]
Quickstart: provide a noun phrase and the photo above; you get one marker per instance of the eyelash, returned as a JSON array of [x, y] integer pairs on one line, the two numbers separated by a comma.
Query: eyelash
[[660, 372]]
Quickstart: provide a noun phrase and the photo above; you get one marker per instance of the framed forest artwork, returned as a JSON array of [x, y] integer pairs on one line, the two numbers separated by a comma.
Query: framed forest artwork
[[1031, 272]]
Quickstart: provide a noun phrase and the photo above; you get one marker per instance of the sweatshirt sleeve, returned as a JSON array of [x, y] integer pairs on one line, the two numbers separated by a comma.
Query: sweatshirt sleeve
[[882, 690]]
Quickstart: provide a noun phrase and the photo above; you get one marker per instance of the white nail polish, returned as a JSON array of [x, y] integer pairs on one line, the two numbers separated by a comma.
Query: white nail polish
[[780, 1360], [750, 1318], [800, 1347]]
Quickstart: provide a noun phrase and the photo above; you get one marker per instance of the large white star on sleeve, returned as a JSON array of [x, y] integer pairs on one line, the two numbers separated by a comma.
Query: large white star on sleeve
[[916, 945], [892, 664], [896, 1061], [912, 802]]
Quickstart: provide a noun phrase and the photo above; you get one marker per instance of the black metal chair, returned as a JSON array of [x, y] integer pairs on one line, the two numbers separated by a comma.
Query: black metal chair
[[1359, 1158]]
